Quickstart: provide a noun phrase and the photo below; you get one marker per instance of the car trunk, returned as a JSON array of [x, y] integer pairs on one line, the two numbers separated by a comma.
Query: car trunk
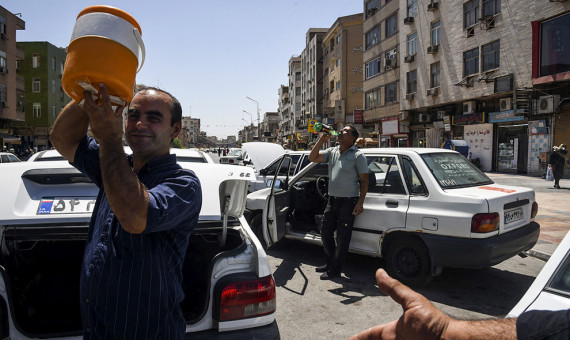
[[41, 266]]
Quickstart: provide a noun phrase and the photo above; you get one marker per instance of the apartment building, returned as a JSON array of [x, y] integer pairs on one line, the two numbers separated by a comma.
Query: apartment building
[[312, 77], [285, 123], [190, 134], [342, 73], [270, 127], [41, 71], [381, 74], [470, 71], [12, 95]]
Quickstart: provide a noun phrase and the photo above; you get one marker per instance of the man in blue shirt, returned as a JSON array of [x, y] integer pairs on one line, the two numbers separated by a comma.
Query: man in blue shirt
[[348, 184], [131, 278]]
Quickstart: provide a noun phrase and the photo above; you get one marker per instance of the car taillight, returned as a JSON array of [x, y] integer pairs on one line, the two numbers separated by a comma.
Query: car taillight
[[231, 161], [534, 210], [484, 223], [246, 299]]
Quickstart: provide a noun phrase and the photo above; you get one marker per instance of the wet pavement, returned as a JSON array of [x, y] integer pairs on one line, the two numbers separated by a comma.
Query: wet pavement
[[553, 209]]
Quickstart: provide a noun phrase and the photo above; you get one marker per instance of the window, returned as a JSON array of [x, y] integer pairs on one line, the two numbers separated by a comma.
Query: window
[[371, 7], [419, 139], [372, 68], [297, 76], [384, 175], [491, 55], [491, 8], [434, 74], [372, 99], [435, 35], [373, 37], [555, 43], [337, 62], [297, 106], [298, 91], [412, 81], [3, 65], [35, 61], [53, 64], [36, 85], [412, 8], [415, 184], [37, 107], [338, 38], [470, 13], [471, 62], [53, 112], [331, 86], [338, 85], [391, 25], [3, 93], [61, 68], [452, 170], [53, 86], [390, 93], [413, 43]]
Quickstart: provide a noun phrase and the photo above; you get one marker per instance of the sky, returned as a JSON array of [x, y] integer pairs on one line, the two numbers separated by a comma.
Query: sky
[[211, 55]]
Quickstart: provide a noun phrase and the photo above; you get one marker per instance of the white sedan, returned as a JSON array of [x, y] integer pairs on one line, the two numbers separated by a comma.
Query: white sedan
[[426, 209]]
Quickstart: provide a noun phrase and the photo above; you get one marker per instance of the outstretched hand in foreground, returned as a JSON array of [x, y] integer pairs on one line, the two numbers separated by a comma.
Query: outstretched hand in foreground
[[422, 320]]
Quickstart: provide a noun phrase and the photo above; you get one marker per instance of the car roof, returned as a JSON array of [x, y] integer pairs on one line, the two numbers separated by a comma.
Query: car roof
[[404, 151], [46, 155]]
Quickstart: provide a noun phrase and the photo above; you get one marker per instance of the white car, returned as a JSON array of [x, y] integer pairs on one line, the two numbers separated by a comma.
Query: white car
[[426, 209], [234, 157], [45, 208], [8, 157], [292, 164], [551, 288], [259, 155], [182, 155]]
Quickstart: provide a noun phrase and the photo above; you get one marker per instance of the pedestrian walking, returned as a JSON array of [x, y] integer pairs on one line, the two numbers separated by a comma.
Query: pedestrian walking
[[557, 163], [347, 167]]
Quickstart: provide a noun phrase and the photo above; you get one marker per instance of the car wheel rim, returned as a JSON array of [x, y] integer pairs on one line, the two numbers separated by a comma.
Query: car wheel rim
[[408, 263]]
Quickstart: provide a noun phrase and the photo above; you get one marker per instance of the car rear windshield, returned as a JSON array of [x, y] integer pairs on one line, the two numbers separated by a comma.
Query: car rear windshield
[[452, 170]]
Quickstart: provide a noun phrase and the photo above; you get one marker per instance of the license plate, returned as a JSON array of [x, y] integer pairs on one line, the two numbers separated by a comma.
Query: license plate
[[513, 215], [66, 205]]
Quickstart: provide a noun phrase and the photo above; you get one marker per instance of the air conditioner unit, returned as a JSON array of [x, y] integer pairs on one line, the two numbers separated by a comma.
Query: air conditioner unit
[[423, 118], [409, 58], [547, 104], [432, 49], [389, 62], [506, 104], [408, 20], [410, 96], [469, 107], [432, 92], [432, 6]]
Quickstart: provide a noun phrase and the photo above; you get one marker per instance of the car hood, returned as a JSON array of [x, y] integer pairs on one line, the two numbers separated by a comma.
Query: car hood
[[261, 154], [26, 185]]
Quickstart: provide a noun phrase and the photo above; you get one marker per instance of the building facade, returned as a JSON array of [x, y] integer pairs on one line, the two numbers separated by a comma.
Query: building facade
[[190, 135], [381, 74], [12, 90], [41, 71], [342, 73]]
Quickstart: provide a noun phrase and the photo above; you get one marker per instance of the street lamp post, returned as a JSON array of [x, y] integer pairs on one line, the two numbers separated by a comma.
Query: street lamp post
[[250, 116], [258, 120]]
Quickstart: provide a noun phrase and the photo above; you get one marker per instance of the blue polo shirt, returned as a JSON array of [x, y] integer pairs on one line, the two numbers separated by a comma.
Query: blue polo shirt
[[131, 285], [344, 170]]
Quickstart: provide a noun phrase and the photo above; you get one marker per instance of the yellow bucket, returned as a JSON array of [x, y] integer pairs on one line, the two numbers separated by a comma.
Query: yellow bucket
[[104, 48]]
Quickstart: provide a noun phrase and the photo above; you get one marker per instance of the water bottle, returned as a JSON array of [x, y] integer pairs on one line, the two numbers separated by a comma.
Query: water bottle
[[320, 127]]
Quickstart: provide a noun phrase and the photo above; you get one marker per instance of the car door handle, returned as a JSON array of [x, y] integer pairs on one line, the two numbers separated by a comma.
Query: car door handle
[[392, 204]]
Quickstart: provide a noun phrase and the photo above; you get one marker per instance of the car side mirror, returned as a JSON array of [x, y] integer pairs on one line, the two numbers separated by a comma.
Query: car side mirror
[[263, 172]]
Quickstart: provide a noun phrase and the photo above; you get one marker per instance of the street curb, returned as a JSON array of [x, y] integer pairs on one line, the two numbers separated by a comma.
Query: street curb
[[538, 254]]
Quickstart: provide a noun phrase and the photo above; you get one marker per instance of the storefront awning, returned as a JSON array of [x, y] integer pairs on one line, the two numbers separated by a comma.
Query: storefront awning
[[6, 138]]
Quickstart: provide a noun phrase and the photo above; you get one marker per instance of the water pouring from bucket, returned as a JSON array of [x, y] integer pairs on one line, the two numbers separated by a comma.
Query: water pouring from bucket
[[104, 48]]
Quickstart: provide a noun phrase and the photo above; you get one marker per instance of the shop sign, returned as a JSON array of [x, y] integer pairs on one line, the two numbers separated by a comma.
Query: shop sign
[[467, 119], [506, 116], [358, 116], [537, 127], [393, 126]]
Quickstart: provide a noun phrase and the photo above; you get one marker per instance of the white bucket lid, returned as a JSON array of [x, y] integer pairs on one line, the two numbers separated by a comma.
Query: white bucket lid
[[100, 24]]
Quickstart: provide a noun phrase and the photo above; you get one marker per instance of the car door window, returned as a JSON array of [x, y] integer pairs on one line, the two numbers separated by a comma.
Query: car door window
[[5, 159], [384, 170], [414, 182]]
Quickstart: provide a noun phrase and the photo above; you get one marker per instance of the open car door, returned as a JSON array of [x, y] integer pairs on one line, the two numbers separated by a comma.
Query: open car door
[[277, 205]]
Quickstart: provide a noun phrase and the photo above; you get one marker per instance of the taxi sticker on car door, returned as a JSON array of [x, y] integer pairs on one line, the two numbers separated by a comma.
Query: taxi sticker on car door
[[66, 205]]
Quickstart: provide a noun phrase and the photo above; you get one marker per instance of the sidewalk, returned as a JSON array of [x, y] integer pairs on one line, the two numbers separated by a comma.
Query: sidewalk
[[553, 213]]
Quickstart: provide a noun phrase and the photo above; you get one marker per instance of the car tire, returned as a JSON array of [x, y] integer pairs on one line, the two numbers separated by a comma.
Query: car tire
[[408, 260], [257, 229]]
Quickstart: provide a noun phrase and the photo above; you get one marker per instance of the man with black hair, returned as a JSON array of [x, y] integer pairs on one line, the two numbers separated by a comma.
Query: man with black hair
[[131, 278], [348, 184]]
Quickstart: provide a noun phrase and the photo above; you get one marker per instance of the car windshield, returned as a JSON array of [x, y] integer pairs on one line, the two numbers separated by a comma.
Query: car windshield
[[452, 170], [235, 153], [561, 280]]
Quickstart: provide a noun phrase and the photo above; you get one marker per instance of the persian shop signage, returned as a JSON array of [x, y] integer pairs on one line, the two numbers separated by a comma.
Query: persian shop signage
[[506, 116], [467, 119]]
